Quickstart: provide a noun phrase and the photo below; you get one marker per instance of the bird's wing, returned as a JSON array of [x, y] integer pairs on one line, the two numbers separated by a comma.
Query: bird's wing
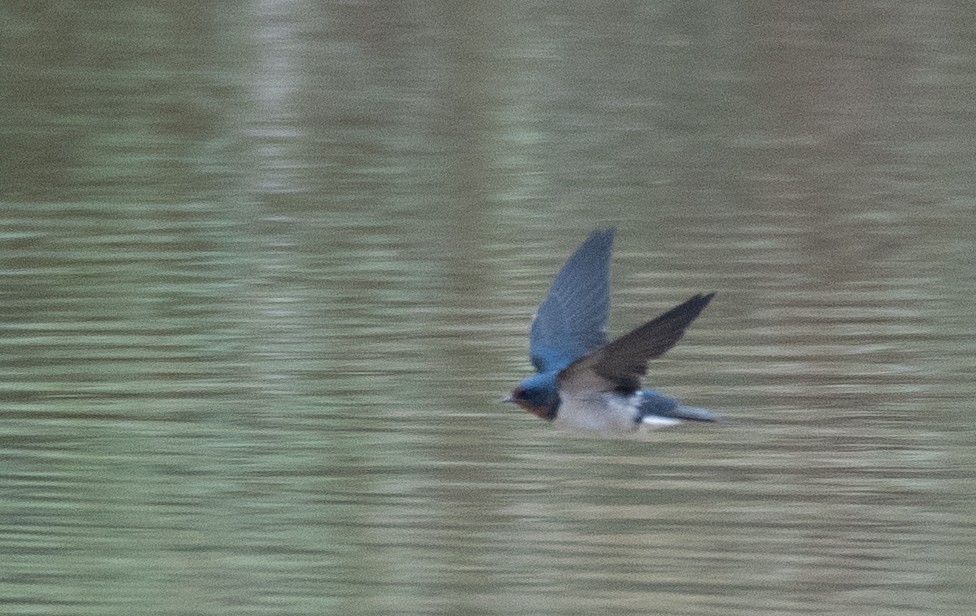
[[621, 364], [572, 320]]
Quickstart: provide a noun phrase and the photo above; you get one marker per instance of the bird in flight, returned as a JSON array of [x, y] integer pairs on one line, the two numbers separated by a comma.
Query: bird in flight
[[582, 380]]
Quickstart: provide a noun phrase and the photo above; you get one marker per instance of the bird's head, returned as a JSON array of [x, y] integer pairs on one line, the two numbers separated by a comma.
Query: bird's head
[[538, 395]]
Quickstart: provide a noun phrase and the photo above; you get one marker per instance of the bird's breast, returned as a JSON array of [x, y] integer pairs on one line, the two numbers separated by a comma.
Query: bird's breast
[[601, 411]]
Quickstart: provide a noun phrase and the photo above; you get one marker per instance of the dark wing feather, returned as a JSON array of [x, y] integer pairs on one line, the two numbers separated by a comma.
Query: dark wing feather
[[572, 320], [621, 364]]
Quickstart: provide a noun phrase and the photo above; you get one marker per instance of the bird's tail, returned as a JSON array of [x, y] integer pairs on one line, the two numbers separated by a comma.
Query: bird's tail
[[690, 413], [657, 409]]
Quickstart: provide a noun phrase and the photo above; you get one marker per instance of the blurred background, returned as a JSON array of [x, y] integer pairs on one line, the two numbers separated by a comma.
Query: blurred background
[[268, 267]]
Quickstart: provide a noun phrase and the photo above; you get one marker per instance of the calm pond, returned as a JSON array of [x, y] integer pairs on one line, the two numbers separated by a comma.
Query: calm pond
[[268, 268]]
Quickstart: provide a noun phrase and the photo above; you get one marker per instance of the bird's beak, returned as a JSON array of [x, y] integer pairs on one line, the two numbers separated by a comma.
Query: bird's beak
[[509, 398]]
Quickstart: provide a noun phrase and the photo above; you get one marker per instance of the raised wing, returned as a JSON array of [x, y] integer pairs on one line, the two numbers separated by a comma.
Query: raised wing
[[572, 320], [620, 365]]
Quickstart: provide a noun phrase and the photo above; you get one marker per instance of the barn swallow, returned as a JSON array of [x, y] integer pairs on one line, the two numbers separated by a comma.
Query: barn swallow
[[584, 381]]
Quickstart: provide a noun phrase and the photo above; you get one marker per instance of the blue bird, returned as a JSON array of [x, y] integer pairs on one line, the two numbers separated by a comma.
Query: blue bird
[[584, 381]]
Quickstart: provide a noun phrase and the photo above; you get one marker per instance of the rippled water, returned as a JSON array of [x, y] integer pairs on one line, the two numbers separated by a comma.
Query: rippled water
[[258, 308]]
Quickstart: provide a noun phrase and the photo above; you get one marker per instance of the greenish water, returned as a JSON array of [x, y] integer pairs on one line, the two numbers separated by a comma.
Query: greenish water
[[267, 268]]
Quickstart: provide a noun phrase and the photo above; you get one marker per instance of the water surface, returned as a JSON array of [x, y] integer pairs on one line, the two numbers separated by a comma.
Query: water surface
[[267, 270]]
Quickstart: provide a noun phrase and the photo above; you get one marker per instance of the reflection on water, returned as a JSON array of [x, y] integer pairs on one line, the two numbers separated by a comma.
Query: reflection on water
[[258, 309]]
